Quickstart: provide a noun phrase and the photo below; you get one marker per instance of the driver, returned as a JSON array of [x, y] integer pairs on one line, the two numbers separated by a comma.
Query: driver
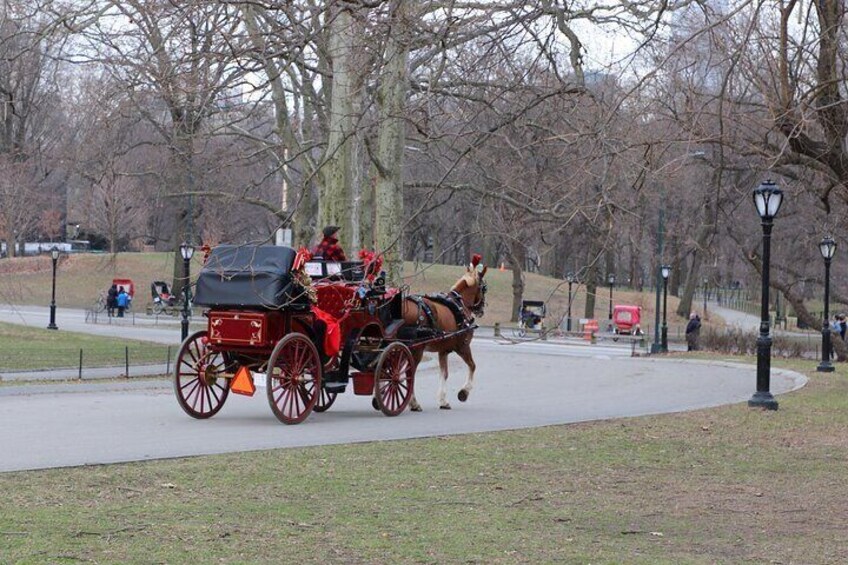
[[329, 248]]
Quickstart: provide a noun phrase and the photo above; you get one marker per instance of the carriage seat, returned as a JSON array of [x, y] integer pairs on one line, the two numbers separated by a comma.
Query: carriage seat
[[335, 298]]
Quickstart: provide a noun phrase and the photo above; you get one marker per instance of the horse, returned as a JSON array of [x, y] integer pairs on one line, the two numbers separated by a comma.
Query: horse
[[466, 299]]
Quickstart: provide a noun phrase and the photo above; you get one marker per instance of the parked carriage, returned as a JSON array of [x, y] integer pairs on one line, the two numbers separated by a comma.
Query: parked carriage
[[627, 320], [531, 315], [309, 340]]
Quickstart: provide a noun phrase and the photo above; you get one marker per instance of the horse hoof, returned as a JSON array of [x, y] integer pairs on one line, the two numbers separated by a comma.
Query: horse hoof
[[445, 407], [463, 395], [416, 408]]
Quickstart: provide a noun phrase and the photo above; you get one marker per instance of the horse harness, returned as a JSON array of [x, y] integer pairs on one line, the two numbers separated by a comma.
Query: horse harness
[[452, 301]]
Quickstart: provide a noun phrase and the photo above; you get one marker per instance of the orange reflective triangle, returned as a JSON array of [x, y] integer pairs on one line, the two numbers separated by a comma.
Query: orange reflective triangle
[[243, 382]]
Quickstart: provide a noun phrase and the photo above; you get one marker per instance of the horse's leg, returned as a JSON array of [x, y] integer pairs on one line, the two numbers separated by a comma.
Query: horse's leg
[[417, 354], [465, 354], [442, 395]]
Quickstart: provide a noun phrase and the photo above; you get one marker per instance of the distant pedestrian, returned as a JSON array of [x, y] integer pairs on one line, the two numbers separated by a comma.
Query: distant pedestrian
[[123, 301], [112, 300], [693, 332], [843, 325]]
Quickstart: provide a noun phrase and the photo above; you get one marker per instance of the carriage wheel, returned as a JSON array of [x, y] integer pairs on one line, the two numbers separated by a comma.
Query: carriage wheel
[[158, 308], [394, 379], [198, 382], [294, 378], [325, 400]]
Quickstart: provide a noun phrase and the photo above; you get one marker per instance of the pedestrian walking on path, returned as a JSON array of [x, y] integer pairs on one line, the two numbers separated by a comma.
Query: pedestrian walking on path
[[693, 332]]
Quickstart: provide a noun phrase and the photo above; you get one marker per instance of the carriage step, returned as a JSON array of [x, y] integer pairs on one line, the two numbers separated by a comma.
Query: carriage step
[[334, 387]]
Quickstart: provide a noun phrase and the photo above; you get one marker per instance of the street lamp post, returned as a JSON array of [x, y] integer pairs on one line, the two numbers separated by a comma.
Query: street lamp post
[[186, 251], [611, 281], [767, 199], [666, 271], [54, 255], [827, 247], [570, 278]]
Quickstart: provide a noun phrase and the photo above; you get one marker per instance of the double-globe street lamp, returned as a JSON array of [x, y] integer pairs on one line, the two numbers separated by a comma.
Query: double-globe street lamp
[[666, 271], [187, 251], [827, 247], [571, 279], [767, 199], [54, 255]]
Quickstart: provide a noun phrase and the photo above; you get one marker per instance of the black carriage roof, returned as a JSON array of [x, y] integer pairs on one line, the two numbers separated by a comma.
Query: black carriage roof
[[533, 303], [247, 276], [272, 259]]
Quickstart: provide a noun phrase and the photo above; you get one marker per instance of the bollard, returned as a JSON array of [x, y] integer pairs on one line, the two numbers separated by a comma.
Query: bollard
[[168, 361], [80, 366], [126, 361], [497, 332]]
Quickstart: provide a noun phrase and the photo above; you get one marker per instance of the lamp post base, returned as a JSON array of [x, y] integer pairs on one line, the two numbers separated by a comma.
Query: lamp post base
[[52, 325], [656, 348], [825, 367], [764, 400]]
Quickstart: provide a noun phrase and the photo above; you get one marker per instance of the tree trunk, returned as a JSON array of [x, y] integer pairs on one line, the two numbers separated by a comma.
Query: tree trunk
[[184, 214], [694, 274], [518, 257], [334, 202], [390, 140]]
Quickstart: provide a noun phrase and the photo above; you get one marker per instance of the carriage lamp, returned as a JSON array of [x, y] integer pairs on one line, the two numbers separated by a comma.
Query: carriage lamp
[[54, 255], [827, 247], [665, 270], [187, 251], [571, 279], [767, 200], [611, 281]]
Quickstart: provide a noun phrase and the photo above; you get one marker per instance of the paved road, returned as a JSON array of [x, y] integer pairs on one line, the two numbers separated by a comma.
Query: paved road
[[518, 386], [163, 330]]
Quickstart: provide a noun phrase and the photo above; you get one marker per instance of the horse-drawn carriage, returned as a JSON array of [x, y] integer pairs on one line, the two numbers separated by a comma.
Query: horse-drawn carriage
[[531, 315], [308, 339]]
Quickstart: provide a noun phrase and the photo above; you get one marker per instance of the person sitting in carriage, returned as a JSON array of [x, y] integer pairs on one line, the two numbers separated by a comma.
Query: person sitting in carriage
[[329, 248], [531, 319]]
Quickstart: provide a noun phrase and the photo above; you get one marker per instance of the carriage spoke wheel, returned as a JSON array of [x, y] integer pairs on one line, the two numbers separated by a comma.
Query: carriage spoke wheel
[[325, 400], [326, 397], [394, 379], [200, 387], [294, 378]]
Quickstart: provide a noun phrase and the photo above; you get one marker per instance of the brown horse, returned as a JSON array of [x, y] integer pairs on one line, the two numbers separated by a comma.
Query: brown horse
[[469, 296]]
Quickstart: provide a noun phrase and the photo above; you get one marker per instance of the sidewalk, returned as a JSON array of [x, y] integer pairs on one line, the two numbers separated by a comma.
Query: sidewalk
[[88, 373], [750, 323]]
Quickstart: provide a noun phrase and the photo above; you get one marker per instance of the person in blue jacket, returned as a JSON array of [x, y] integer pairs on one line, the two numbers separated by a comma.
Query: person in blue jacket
[[123, 301]]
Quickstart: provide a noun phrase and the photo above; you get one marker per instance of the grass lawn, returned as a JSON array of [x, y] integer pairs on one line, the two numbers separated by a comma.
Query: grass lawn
[[23, 348], [726, 485]]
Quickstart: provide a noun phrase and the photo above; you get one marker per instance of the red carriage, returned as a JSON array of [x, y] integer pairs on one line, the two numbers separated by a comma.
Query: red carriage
[[309, 340]]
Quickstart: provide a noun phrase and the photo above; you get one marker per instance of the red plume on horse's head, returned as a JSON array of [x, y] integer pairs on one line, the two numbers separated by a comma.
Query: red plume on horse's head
[[475, 259]]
